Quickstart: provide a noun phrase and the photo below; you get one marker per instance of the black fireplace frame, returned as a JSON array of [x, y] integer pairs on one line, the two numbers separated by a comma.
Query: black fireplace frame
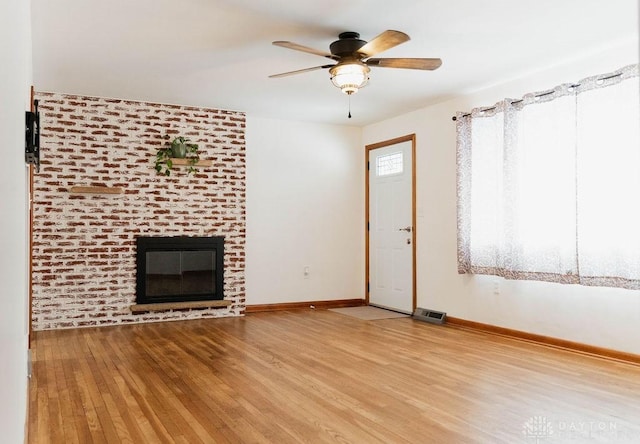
[[178, 243]]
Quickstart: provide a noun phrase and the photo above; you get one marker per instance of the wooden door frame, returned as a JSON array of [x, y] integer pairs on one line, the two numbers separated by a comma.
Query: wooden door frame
[[30, 246], [368, 148]]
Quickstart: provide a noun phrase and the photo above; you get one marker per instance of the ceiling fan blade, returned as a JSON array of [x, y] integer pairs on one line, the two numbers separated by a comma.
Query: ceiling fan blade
[[406, 63], [299, 71], [388, 39], [302, 48]]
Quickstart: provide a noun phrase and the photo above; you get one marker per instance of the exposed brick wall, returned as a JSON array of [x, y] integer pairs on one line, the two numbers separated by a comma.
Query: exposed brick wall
[[84, 244]]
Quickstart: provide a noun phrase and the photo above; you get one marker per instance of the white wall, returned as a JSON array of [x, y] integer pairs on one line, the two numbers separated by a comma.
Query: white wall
[[15, 52], [598, 316], [305, 207]]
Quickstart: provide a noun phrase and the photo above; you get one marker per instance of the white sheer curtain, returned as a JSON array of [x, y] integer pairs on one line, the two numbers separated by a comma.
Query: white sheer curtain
[[549, 185]]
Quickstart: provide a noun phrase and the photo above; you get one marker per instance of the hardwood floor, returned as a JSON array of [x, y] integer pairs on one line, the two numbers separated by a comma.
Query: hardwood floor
[[320, 377]]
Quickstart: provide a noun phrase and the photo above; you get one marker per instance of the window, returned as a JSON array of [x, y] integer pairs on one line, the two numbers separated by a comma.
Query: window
[[549, 185], [389, 164]]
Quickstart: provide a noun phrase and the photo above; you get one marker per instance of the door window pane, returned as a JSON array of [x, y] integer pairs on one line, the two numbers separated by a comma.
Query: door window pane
[[389, 164]]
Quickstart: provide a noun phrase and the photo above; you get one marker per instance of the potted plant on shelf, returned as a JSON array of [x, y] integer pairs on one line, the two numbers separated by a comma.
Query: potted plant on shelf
[[180, 148]]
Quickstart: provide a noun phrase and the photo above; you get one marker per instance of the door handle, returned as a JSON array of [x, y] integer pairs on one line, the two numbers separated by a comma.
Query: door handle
[[407, 229]]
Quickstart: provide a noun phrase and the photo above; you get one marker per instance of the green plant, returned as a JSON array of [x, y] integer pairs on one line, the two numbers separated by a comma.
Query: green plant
[[180, 147]]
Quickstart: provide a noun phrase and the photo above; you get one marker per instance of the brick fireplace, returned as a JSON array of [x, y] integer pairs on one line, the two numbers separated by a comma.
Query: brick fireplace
[[179, 269], [84, 244]]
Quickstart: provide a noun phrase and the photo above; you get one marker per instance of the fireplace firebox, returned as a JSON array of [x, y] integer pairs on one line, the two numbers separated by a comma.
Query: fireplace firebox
[[179, 269]]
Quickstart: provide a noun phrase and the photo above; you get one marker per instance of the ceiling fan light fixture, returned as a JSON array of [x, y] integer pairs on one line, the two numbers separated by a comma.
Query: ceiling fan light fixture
[[350, 76]]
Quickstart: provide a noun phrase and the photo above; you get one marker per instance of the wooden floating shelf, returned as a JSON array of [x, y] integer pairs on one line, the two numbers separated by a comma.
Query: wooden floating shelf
[[164, 306], [185, 162], [96, 190]]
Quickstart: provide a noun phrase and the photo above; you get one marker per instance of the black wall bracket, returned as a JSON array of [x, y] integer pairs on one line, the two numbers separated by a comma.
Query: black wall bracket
[[32, 137]]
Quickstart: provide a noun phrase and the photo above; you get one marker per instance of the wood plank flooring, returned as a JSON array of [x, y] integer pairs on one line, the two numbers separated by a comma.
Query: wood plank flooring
[[321, 377]]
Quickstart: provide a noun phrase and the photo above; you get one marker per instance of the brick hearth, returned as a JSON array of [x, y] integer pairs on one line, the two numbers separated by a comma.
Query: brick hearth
[[84, 244]]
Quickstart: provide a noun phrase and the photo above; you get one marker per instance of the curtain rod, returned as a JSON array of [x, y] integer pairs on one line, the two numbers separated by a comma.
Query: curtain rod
[[575, 85], [454, 118]]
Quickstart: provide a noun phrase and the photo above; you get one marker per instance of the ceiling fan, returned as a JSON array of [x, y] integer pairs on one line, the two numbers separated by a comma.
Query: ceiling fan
[[354, 57]]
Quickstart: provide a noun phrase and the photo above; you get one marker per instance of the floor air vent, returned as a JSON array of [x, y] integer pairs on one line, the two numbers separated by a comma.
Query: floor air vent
[[434, 317]]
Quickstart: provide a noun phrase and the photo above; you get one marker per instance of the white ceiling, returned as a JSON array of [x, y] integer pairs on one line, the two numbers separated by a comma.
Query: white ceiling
[[218, 53]]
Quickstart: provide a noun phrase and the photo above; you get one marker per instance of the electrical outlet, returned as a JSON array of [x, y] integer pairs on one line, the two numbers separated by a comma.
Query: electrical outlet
[[496, 287], [306, 271]]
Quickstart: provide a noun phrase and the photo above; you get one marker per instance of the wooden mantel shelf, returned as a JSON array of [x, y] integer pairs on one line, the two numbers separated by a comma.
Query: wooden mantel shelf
[[185, 162], [164, 306], [96, 190]]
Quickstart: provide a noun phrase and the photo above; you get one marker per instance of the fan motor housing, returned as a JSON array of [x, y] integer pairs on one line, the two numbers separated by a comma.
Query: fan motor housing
[[348, 43]]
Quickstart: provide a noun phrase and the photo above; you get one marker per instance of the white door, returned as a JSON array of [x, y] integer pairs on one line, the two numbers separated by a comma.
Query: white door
[[391, 226]]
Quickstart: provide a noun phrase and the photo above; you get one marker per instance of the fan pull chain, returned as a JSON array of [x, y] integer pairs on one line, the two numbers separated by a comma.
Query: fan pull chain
[[349, 105]]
